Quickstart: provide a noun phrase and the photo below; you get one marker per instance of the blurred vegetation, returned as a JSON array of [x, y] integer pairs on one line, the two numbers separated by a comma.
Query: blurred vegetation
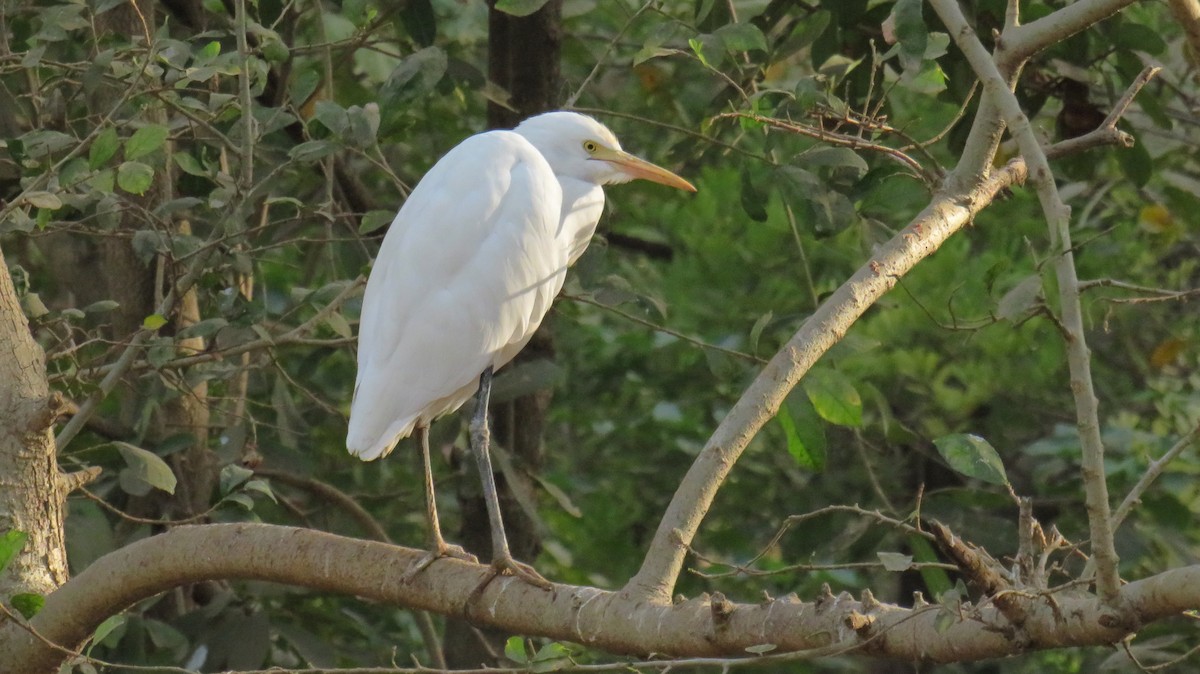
[[665, 319]]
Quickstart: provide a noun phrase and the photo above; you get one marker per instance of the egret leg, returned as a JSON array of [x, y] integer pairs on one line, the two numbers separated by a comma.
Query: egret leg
[[438, 547], [502, 559]]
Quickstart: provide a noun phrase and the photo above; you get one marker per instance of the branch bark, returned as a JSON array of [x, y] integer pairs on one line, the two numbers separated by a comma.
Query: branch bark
[[586, 615]]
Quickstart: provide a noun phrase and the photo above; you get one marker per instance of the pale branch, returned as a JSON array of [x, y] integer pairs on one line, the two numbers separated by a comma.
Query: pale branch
[[946, 214], [1155, 469], [700, 627], [1058, 219], [1019, 42], [1187, 15]]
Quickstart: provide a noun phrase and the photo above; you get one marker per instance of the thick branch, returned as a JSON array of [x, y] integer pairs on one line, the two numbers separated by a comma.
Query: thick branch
[[945, 215], [585, 615]]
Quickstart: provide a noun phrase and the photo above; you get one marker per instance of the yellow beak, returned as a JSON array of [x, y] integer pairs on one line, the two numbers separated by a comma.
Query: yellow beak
[[637, 167]]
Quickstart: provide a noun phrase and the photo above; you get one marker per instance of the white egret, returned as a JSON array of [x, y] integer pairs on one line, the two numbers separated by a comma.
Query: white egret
[[464, 277]]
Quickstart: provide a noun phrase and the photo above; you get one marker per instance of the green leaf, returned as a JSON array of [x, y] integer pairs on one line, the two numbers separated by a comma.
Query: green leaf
[[244, 500], [28, 603], [420, 21], [146, 467], [232, 477], [205, 328], [514, 649], [145, 140], [373, 220], [757, 330], [101, 307], [698, 49], [754, 202], [103, 148], [135, 177], [894, 561], [110, 625], [937, 581], [338, 323], [834, 397], [911, 32], [43, 199], [835, 157], [33, 305], [1131, 35], [414, 77], [742, 37], [805, 436], [972, 456], [551, 657], [1136, 163], [10, 544], [312, 150], [260, 487], [519, 7], [160, 350], [154, 322], [103, 181], [190, 164]]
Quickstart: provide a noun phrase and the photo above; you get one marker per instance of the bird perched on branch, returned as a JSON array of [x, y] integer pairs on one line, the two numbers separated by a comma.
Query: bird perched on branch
[[464, 277]]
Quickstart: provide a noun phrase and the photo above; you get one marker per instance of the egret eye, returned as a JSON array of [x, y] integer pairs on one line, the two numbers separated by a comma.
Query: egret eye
[[590, 146]]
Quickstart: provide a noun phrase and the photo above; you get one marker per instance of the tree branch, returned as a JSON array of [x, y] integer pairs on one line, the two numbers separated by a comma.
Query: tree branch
[[1020, 42], [585, 615], [948, 212], [1058, 219]]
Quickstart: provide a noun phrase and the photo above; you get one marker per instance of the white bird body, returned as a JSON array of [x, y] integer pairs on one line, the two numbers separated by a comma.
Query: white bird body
[[471, 265]]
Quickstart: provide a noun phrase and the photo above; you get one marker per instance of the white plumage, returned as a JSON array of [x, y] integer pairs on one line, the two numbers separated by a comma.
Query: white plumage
[[464, 277], [471, 264]]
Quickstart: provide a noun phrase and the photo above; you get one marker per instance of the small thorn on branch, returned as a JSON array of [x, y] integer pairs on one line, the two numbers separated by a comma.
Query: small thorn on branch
[[722, 608]]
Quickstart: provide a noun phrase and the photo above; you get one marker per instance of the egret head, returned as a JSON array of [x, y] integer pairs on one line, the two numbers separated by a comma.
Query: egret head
[[578, 146]]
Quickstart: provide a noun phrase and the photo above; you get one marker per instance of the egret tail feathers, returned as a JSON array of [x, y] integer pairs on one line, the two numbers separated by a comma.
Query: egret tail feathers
[[369, 445]]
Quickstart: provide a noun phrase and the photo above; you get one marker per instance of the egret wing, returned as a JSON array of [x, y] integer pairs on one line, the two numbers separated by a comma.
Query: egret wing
[[463, 278]]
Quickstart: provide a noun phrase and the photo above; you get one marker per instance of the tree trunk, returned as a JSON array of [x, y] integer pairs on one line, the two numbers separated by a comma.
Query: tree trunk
[[32, 493]]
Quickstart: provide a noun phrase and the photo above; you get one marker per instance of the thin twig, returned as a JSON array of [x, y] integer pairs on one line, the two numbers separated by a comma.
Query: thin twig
[[834, 138], [604, 56], [1155, 469], [583, 299]]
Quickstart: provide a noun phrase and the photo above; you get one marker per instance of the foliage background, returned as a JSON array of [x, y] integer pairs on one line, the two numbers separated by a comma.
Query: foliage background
[[352, 102]]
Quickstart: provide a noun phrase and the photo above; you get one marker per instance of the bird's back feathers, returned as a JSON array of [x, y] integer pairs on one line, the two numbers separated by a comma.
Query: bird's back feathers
[[464, 277]]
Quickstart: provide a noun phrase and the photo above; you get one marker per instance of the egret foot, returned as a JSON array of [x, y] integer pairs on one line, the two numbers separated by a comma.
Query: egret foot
[[438, 552], [507, 567]]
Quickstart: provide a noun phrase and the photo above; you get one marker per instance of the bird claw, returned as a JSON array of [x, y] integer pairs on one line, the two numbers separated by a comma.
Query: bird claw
[[508, 567], [440, 551]]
